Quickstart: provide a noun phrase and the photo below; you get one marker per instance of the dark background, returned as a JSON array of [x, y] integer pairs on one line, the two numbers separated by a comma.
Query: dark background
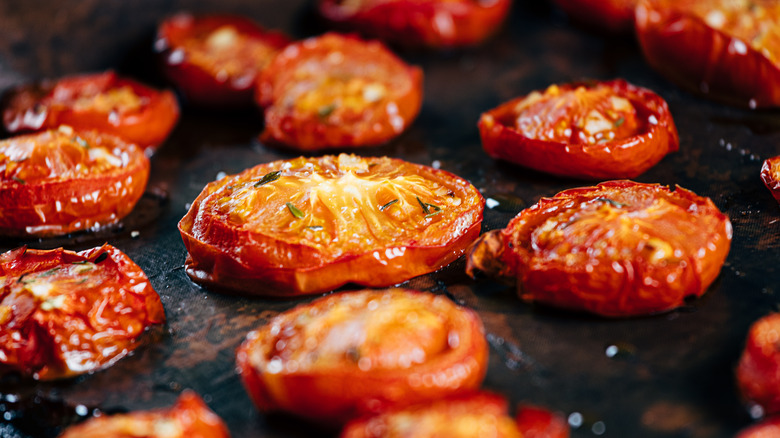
[[673, 375]]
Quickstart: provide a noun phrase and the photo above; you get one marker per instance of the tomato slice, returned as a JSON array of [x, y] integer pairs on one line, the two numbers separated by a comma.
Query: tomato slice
[[190, 417], [770, 174], [337, 91], [358, 352], [615, 16], [214, 60], [431, 23], [310, 225], [617, 249], [593, 130], [60, 181], [726, 50], [769, 428], [758, 372], [536, 422], [64, 313], [103, 102]]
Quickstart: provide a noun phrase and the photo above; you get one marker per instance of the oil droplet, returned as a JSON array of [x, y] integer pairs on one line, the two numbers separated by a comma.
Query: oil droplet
[[620, 350], [575, 420], [505, 202], [756, 412], [598, 428]]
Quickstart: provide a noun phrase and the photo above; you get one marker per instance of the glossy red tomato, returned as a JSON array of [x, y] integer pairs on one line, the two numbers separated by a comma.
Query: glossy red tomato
[[190, 417], [536, 422], [608, 15], [60, 181], [64, 313], [214, 60], [432, 23], [103, 102], [617, 249], [770, 174], [336, 91], [766, 429], [360, 352], [310, 225], [596, 130], [758, 373], [727, 50]]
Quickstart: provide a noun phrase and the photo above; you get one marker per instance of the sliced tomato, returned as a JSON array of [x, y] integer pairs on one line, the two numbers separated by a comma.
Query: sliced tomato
[[361, 352], [64, 313], [723, 49], [615, 16], [769, 428], [60, 181], [102, 102], [310, 225], [594, 130], [336, 91], [770, 174], [536, 422], [214, 60], [617, 249], [758, 372], [431, 23]]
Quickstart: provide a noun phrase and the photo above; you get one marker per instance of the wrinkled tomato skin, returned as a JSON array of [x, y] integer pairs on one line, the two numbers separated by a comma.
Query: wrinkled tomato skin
[[619, 158], [64, 313], [536, 422], [49, 104], [770, 175], [332, 393], [199, 86], [769, 428], [758, 372], [309, 130], [429, 23], [704, 60], [613, 16]]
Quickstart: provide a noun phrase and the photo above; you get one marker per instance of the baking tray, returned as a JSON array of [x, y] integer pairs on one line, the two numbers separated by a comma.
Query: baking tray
[[672, 375]]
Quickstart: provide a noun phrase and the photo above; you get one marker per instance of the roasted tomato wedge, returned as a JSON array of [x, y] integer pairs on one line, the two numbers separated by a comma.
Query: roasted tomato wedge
[[594, 130], [770, 174], [608, 15], [536, 422], [617, 249], [766, 429], [337, 91], [360, 352], [214, 60], [59, 181], [103, 102], [431, 23], [728, 50], [758, 372], [188, 418], [64, 313], [310, 225]]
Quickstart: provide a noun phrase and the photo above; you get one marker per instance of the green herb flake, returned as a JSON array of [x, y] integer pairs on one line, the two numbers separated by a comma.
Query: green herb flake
[[424, 206], [325, 111], [19, 180], [315, 227], [22, 279], [49, 273], [619, 122], [612, 202], [80, 262], [295, 211], [269, 178], [83, 143], [382, 208], [101, 257], [433, 214]]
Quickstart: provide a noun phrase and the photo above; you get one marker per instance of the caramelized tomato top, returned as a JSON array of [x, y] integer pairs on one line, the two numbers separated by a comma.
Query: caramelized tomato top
[[105, 93]]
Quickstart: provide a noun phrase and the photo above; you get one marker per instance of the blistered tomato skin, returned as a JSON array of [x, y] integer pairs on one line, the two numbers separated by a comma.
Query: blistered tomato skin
[[102, 102], [615, 16], [64, 313], [758, 372], [362, 352], [214, 60], [770, 174], [336, 91], [60, 181], [310, 225], [536, 422], [725, 50], [618, 249], [594, 130], [769, 428]]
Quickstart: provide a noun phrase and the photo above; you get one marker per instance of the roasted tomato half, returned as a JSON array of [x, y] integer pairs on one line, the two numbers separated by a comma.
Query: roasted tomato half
[[431, 23], [214, 60], [536, 422], [361, 352], [728, 50], [758, 372], [613, 16], [594, 130], [59, 181], [337, 91], [770, 174], [310, 225], [617, 249], [766, 429], [64, 313], [103, 102], [190, 417]]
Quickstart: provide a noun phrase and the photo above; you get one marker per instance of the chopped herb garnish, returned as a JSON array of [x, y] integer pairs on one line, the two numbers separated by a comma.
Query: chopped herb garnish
[[80, 262], [295, 211], [82, 281], [19, 180], [370, 165], [619, 122], [101, 257], [325, 111], [315, 227], [49, 273], [426, 208], [22, 280], [382, 208], [433, 214], [83, 143], [612, 202], [269, 177]]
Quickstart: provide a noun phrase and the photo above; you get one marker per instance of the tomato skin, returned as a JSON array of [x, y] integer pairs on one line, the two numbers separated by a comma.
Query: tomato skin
[[619, 158], [334, 125], [199, 85], [49, 104], [758, 372], [46, 192], [770, 174], [536, 422], [48, 298], [337, 385], [679, 43], [769, 428], [580, 250], [615, 16]]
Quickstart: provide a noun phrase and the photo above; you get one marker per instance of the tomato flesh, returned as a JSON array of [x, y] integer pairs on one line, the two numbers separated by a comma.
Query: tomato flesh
[[758, 372], [616, 16], [770, 174], [536, 422]]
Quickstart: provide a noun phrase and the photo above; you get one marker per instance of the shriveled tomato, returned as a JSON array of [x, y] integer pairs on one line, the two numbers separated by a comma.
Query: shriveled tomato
[[103, 102], [64, 313], [358, 352], [60, 181], [766, 429], [536, 422], [336, 91], [594, 130], [190, 417], [770, 174], [608, 15], [724, 49], [431, 23], [617, 249], [758, 372], [214, 60], [310, 225]]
